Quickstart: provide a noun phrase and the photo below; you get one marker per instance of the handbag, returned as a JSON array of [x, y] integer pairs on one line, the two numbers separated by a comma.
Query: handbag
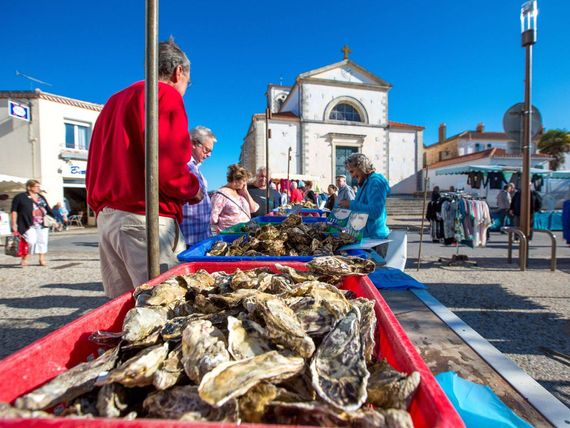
[[49, 221], [23, 247], [12, 245]]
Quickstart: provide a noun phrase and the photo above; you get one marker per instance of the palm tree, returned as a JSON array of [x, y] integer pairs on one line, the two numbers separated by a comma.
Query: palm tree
[[556, 143]]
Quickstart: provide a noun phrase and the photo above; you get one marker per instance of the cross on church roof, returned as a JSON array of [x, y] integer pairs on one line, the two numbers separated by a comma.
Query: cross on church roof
[[346, 50]]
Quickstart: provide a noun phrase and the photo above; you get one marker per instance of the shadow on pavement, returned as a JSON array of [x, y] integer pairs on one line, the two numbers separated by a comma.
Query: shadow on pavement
[[86, 244], [85, 286]]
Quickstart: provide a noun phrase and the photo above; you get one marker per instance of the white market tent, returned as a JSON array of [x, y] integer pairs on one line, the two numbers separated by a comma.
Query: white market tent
[[466, 169], [10, 183]]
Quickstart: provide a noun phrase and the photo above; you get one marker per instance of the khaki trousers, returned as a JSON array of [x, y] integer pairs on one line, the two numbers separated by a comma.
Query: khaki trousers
[[123, 249]]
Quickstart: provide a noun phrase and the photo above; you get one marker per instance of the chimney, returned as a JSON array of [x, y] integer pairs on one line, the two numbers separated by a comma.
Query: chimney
[[441, 132], [480, 127]]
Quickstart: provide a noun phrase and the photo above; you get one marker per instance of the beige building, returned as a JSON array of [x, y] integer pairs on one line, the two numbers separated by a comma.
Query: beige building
[[51, 145]]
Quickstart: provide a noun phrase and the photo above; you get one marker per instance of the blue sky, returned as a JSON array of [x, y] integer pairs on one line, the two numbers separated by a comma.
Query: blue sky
[[458, 62]]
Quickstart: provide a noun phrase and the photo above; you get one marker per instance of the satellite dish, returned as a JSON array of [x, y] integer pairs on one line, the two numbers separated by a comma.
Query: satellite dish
[[513, 122]]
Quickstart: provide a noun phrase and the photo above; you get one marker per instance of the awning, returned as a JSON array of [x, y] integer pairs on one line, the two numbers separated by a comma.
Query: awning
[[560, 174], [10, 183], [466, 169]]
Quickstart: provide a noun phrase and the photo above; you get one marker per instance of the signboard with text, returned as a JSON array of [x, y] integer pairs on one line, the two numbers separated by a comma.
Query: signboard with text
[[19, 110], [74, 169]]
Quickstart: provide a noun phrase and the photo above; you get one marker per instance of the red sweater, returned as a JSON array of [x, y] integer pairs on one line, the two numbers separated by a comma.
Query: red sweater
[[116, 164]]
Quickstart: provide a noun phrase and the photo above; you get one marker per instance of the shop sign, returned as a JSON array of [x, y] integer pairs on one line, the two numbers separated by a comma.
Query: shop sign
[[75, 169], [18, 110]]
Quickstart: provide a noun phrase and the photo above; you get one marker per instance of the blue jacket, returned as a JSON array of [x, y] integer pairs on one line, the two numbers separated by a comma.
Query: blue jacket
[[371, 199]]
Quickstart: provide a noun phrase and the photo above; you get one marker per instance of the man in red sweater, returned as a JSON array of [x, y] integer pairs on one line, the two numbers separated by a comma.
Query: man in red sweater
[[116, 174]]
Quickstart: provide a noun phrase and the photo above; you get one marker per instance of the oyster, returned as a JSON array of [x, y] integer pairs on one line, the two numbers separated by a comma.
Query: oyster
[[171, 372], [70, 384], [245, 341], [141, 321], [234, 299], [138, 370], [295, 275], [219, 248], [318, 306], [203, 349], [151, 339], [337, 265], [338, 369], [246, 279], [252, 404], [367, 325], [234, 378], [166, 293], [9, 412], [317, 413], [106, 338], [397, 418], [200, 281], [204, 305], [389, 388], [281, 323], [112, 400], [183, 402]]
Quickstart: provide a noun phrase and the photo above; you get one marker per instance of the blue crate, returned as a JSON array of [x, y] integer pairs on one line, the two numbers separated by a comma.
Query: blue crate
[[197, 253]]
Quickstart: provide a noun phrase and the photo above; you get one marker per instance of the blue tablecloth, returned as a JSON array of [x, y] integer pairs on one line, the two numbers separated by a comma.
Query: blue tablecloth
[[566, 220], [391, 278], [549, 220]]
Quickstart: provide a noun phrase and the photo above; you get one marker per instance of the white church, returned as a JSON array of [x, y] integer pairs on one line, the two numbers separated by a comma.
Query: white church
[[328, 114]]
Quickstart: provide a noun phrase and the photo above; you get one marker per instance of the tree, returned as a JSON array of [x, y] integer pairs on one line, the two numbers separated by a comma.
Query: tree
[[555, 142]]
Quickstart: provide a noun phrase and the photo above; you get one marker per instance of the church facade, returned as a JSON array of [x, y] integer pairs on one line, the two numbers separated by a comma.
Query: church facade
[[328, 114]]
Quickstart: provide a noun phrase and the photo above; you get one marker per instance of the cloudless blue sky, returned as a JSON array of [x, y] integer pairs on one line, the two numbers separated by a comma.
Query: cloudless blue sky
[[453, 61]]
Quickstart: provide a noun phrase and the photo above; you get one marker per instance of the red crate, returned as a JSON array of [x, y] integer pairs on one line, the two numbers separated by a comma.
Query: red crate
[[68, 346]]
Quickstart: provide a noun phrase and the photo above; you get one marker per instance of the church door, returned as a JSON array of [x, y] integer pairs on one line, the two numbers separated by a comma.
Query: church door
[[342, 152]]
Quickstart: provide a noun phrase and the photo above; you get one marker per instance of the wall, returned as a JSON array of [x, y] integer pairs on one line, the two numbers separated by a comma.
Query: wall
[[284, 134], [403, 160], [466, 147], [432, 152]]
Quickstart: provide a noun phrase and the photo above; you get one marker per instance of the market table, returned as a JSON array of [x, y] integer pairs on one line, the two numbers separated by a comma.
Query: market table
[[443, 350]]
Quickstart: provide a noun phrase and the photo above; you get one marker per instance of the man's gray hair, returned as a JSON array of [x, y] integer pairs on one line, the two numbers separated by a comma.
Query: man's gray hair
[[200, 132], [171, 56], [261, 169], [361, 162]]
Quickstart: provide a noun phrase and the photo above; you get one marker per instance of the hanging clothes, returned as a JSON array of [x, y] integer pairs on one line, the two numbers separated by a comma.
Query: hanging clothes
[[475, 179], [516, 180], [496, 180], [537, 182]]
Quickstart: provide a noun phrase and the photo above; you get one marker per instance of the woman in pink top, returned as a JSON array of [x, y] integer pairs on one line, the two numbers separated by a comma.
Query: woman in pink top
[[232, 203]]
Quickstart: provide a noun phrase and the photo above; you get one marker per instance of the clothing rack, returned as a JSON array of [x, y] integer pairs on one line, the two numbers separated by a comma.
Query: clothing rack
[[459, 223]]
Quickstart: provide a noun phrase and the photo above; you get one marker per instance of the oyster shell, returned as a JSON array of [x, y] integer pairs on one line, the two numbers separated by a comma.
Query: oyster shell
[[338, 369], [219, 248], [234, 378], [389, 388], [199, 281], [252, 404], [166, 293], [171, 372], [70, 384], [112, 400], [138, 370], [234, 299], [281, 324], [203, 349], [245, 341], [9, 412], [367, 325], [294, 275], [183, 402], [141, 322]]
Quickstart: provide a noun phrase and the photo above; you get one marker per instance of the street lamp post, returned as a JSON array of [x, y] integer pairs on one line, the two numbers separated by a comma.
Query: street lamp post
[[529, 13]]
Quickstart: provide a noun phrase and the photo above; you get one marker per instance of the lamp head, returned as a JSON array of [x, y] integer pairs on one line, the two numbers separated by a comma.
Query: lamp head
[[529, 17]]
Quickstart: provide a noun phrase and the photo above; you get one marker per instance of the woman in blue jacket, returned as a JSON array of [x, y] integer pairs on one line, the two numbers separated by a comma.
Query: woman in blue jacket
[[373, 189]]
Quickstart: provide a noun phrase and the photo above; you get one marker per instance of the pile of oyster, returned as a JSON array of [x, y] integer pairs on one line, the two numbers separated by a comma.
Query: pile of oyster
[[292, 237], [252, 346]]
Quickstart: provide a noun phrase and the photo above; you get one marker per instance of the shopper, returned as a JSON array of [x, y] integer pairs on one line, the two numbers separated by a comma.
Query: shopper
[[116, 174], [60, 215], [232, 203], [345, 192], [504, 203], [258, 188], [310, 195], [27, 220], [296, 194], [331, 200], [196, 217], [373, 189], [515, 209]]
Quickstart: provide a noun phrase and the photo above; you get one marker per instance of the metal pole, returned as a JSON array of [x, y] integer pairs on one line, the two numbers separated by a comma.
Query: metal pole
[[267, 137], [151, 138], [528, 39], [426, 181]]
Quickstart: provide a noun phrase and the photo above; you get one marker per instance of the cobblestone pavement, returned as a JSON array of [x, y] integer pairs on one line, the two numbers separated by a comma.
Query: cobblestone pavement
[[521, 313]]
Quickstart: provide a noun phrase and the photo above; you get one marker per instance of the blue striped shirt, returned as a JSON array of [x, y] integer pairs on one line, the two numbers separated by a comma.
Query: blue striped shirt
[[196, 218]]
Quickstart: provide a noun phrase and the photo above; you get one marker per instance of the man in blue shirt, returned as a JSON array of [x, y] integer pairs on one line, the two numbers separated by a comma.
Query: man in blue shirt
[[196, 218]]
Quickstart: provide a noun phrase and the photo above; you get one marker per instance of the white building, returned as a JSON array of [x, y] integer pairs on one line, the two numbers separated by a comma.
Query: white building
[[51, 146], [328, 114]]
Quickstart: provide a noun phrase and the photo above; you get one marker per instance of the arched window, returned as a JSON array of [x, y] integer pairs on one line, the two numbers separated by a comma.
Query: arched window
[[345, 112]]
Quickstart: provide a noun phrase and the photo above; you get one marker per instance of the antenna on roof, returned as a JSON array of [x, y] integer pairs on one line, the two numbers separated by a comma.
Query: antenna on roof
[[32, 79]]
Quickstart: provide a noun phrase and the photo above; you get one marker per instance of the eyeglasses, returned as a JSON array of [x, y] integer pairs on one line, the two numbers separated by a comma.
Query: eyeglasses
[[207, 150]]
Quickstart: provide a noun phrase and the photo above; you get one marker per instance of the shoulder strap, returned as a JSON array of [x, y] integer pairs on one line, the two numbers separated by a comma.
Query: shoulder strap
[[235, 203]]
